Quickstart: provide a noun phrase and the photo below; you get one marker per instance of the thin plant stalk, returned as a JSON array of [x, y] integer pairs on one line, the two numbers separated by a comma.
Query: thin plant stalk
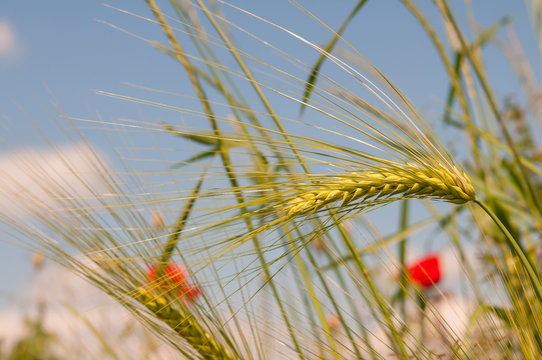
[[491, 99], [403, 279], [225, 158], [397, 342], [516, 247]]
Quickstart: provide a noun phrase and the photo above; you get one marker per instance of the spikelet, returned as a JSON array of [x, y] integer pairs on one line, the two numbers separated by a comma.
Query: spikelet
[[184, 324], [409, 182]]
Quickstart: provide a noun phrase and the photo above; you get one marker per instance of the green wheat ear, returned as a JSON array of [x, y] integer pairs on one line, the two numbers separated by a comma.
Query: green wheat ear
[[184, 324], [410, 181]]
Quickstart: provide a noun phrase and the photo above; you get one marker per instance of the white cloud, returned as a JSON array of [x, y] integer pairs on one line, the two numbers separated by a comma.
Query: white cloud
[[36, 179], [9, 43]]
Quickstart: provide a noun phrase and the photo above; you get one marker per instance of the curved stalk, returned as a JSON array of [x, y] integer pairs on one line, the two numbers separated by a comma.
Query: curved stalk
[[516, 247]]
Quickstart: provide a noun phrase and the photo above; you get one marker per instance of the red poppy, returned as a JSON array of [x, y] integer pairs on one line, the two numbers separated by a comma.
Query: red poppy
[[425, 272], [175, 278]]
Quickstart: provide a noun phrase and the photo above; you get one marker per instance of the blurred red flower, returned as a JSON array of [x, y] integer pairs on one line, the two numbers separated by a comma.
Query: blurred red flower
[[425, 272], [174, 278]]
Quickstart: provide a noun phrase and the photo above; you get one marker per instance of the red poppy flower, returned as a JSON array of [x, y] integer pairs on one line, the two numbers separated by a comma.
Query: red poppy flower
[[175, 278], [425, 272]]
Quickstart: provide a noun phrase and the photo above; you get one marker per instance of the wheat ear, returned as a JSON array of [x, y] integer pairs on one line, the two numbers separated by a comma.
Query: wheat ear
[[185, 325], [410, 181]]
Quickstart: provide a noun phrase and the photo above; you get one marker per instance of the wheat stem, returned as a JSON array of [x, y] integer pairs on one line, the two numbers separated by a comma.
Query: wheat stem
[[533, 196], [394, 336], [516, 247]]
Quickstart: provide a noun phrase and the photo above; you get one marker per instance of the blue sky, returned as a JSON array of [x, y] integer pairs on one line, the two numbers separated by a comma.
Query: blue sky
[[64, 52]]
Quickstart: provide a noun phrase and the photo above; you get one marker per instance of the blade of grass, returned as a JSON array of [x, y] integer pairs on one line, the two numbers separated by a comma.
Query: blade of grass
[[179, 226]]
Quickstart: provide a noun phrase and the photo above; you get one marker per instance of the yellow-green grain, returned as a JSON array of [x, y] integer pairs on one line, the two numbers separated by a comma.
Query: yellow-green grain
[[185, 324], [410, 181]]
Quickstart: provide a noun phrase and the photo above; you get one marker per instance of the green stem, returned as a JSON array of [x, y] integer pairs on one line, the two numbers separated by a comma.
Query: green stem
[[395, 337], [312, 293], [183, 59], [516, 247], [254, 83], [402, 258], [493, 105], [453, 74]]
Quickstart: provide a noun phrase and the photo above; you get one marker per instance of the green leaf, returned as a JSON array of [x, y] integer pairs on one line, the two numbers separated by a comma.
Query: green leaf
[[207, 138], [199, 156]]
